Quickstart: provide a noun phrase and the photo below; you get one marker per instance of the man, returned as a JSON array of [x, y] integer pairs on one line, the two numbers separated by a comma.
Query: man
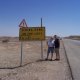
[[50, 44], [57, 46]]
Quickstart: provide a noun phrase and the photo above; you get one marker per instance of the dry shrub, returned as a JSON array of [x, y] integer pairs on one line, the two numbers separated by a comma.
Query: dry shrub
[[5, 41]]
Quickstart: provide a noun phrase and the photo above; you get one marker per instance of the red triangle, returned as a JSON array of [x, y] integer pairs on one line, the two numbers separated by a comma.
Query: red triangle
[[23, 23]]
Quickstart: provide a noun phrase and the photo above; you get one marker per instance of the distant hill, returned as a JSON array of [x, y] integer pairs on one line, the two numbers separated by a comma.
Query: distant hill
[[9, 38], [75, 37]]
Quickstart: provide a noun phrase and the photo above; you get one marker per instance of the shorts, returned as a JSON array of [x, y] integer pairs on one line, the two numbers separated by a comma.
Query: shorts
[[50, 49]]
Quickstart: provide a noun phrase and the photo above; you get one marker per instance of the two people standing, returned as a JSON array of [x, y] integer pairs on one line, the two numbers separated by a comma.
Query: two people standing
[[53, 46]]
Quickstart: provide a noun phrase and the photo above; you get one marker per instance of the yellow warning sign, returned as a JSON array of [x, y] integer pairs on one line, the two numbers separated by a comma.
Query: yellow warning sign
[[32, 33]]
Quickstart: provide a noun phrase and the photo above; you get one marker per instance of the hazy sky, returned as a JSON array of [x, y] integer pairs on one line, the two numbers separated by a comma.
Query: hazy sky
[[61, 17]]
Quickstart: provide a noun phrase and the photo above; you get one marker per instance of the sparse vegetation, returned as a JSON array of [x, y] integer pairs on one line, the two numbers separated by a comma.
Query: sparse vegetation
[[5, 41]]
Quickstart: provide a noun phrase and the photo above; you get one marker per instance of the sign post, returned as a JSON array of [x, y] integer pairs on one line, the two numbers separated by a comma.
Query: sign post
[[21, 53], [41, 44], [22, 24], [31, 34]]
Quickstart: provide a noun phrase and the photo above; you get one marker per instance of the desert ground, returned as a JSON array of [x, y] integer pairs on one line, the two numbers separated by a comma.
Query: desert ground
[[33, 68]]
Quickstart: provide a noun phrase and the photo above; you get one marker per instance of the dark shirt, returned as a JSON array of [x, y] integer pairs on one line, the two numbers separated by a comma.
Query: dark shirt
[[56, 43]]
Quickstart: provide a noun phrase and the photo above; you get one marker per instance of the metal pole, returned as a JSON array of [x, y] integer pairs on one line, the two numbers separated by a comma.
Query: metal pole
[[21, 53], [41, 44]]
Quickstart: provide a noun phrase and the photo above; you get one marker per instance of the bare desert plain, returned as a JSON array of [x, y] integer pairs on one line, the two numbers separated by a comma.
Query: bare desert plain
[[33, 68]]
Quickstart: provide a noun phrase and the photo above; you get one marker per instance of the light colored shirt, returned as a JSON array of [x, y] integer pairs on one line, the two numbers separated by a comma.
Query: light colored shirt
[[50, 43]]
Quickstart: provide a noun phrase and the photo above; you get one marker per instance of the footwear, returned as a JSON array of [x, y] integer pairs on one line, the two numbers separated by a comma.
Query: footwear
[[46, 59], [57, 59], [50, 59]]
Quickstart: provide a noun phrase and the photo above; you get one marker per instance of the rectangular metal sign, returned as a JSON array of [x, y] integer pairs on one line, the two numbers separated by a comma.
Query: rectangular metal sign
[[31, 33]]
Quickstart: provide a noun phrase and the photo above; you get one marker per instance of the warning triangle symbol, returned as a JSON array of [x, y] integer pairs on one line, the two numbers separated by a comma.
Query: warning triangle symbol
[[23, 23]]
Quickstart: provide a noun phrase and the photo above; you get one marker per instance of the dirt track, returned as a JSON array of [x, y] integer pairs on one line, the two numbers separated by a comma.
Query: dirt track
[[32, 68]]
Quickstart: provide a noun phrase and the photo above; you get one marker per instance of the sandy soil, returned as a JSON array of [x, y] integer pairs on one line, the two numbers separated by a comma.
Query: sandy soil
[[32, 67]]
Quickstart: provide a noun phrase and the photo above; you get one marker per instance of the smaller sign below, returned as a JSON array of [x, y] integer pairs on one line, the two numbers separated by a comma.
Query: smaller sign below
[[23, 23]]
